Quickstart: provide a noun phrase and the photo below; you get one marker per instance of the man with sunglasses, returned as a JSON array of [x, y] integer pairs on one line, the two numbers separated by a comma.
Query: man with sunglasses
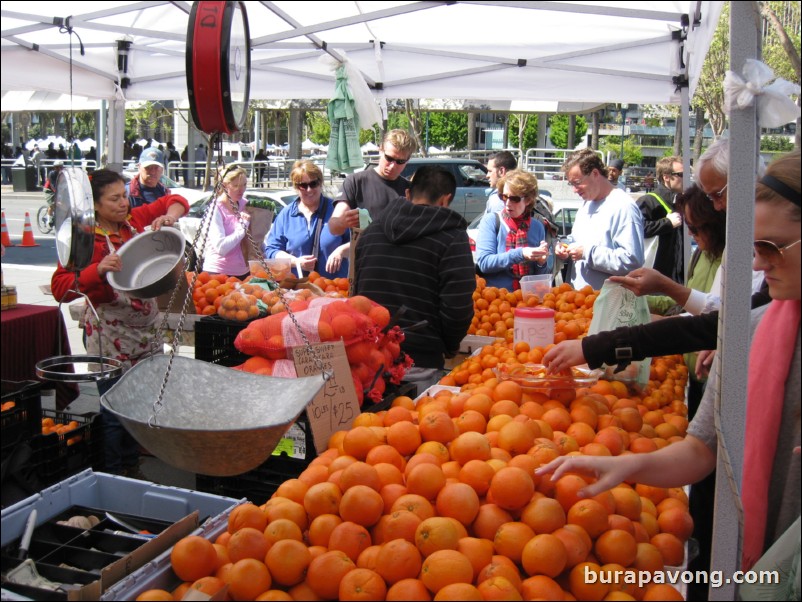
[[375, 187], [660, 219], [497, 166], [608, 229]]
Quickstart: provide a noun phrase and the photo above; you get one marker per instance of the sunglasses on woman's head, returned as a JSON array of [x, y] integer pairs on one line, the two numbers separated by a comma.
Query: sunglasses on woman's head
[[511, 197], [772, 252], [307, 185]]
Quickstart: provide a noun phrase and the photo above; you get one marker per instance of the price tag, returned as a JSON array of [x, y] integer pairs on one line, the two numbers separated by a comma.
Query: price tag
[[335, 407]]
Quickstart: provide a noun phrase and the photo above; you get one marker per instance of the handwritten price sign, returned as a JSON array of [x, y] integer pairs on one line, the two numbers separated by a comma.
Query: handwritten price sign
[[335, 407]]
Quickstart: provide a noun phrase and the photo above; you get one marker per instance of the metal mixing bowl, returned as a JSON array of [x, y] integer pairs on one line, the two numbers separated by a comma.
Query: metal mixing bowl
[[153, 263]]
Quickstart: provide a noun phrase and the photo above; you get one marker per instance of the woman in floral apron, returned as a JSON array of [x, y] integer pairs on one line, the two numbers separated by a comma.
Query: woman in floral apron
[[126, 327]]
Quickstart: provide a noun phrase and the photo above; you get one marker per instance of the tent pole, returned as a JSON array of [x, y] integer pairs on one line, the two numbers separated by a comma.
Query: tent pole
[[734, 335], [116, 135]]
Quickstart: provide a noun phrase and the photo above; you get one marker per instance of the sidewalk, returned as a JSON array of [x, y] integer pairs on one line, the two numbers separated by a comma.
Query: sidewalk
[[33, 284]]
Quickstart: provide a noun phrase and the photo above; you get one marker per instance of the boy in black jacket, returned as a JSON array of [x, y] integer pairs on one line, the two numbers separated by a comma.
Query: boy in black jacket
[[417, 254]]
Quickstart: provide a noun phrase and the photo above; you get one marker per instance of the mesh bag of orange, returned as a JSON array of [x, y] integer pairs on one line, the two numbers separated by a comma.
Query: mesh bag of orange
[[320, 319]]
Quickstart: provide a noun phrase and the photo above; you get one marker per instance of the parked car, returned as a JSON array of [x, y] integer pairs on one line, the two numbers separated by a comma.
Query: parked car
[[473, 187], [190, 222]]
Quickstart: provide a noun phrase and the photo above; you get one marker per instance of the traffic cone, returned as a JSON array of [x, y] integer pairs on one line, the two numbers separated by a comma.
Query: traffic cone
[[27, 233], [6, 239]]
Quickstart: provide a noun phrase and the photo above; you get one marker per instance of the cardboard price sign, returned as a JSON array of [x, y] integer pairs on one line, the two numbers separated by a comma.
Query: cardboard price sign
[[335, 407]]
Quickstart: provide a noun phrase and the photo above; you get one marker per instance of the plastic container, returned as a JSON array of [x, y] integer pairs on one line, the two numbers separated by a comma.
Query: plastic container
[[534, 325], [23, 420], [539, 285], [214, 341]]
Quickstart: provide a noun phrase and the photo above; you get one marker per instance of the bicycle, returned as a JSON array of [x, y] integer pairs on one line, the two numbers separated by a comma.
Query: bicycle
[[45, 219]]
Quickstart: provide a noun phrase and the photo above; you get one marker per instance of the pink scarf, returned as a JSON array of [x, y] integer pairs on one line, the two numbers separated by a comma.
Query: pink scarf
[[769, 363]]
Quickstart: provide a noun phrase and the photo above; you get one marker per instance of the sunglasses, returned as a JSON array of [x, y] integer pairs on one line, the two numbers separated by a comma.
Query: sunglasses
[[716, 196], [511, 197], [772, 252], [677, 174], [395, 160], [307, 185]]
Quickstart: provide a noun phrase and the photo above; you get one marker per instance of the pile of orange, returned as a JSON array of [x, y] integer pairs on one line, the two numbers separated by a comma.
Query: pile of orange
[[494, 310], [439, 500], [209, 291], [51, 426], [339, 286]]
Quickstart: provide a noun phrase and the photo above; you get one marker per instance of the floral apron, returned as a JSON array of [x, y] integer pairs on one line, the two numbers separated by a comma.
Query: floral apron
[[128, 327]]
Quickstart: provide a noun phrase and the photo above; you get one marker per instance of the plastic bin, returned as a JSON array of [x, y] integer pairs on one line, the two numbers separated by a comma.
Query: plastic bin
[[24, 178], [539, 285], [114, 494], [57, 456], [214, 341], [24, 420]]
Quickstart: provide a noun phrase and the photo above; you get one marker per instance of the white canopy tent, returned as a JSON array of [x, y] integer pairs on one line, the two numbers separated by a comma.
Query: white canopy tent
[[563, 52]]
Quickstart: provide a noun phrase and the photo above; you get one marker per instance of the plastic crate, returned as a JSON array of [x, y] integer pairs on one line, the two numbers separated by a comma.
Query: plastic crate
[[214, 341], [24, 420], [260, 483], [57, 456]]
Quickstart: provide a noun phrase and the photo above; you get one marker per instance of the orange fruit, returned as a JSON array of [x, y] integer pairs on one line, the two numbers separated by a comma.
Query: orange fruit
[[477, 474], [320, 529], [398, 559], [511, 488], [362, 584], [408, 589], [248, 578], [247, 543], [350, 538], [498, 588], [426, 480], [459, 591], [661, 591], [322, 498], [459, 501], [671, 548], [489, 518], [246, 515], [478, 551], [326, 571], [287, 561], [414, 503], [438, 533], [281, 528], [511, 538], [193, 557], [208, 585], [616, 546], [543, 515], [444, 567], [359, 441], [362, 505], [590, 515], [157, 594], [586, 589], [541, 587], [676, 521], [469, 446]]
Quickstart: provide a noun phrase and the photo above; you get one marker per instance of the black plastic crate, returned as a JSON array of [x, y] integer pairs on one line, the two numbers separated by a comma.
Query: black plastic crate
[[56, 456], [24, 420], [214, 341]]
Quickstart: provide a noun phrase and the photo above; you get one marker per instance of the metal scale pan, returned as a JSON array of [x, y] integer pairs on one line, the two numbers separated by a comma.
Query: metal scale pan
[[75, 240]]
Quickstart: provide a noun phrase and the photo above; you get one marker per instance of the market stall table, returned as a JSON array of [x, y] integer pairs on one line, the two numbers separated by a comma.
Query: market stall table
[[31, 333]]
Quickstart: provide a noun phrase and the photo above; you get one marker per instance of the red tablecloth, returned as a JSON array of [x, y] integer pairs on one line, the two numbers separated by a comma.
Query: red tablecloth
[[28, 334]]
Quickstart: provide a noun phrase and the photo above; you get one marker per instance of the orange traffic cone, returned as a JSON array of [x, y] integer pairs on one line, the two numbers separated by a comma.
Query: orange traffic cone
[[27, 233], [6, 239]]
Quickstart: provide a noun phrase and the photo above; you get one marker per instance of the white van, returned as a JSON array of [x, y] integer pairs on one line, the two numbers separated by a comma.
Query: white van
[[238, 151]]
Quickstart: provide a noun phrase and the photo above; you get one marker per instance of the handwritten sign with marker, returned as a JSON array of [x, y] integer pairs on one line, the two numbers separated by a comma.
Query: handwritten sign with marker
[[335, 407]]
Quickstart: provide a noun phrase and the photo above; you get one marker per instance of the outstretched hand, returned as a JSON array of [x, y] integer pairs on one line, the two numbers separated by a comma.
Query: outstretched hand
[[608, 471], [563, 356], [643, 281]]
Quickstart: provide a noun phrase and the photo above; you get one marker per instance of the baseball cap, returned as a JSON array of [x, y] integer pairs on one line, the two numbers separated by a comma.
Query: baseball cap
[[58, 163], [151, 156], [618, 164]]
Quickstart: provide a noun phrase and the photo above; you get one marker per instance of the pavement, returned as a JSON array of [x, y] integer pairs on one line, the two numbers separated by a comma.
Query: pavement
[[30, 269]]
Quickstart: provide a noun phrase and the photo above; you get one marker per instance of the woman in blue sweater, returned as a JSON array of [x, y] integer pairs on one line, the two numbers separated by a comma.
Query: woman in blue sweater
[[301, 232], [511, 244]]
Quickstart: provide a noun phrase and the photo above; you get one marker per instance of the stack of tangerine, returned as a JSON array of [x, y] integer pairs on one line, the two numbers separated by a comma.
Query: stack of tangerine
[[494, 310], [440, 500]]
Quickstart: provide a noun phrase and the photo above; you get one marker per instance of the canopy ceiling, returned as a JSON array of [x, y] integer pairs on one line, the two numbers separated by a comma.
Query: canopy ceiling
[[579, 54]]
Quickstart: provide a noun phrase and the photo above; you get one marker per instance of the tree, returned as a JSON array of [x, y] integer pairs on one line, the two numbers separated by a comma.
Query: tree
[[448, 130], [558, 129], [633, 153], [319, 127], [710, 89], [522, 131]]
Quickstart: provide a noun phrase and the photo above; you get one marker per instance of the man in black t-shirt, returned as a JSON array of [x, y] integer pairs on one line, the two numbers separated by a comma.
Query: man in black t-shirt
[[375, 187]]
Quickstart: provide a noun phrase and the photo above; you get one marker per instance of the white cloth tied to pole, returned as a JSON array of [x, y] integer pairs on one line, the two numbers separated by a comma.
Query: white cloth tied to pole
[[774, 107]]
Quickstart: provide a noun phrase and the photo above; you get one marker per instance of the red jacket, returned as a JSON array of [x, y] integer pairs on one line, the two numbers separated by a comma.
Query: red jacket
[[89, 281]]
